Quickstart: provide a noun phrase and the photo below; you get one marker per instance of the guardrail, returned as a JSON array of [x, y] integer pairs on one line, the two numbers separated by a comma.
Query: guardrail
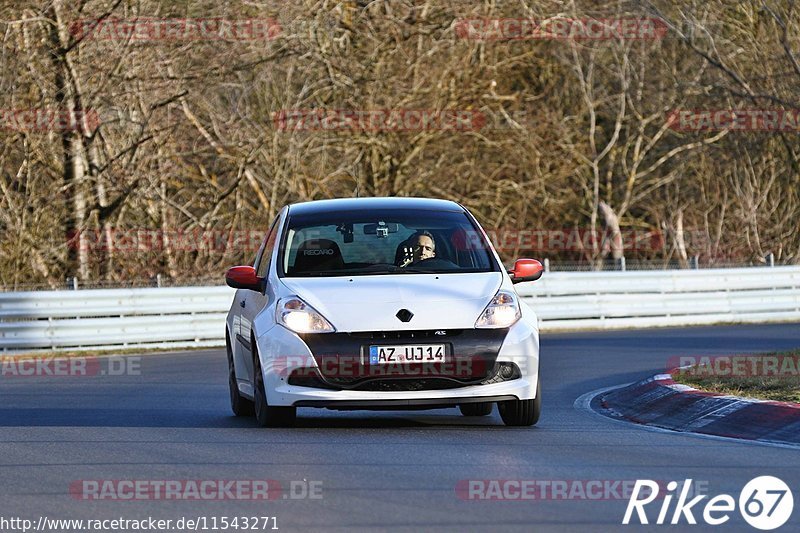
[[194, 316], [118, 318], [633, 299]]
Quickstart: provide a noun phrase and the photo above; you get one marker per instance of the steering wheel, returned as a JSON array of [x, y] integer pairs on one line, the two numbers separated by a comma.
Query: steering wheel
[[434, 263]]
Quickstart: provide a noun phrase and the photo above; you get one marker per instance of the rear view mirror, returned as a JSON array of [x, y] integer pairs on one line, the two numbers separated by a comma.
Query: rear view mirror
[[244, 277], [526, 270], [381, 229]]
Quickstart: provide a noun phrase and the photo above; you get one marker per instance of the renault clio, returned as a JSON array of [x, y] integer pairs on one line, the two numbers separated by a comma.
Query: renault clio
[[381, 303]]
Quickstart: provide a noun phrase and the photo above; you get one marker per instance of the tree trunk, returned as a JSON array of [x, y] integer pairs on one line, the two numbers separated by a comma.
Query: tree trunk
[[680, 240], [74, 161], [611, 222]]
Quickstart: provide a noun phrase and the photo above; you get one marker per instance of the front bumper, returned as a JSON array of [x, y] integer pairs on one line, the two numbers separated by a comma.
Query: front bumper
[[282, 351], [430, 399]]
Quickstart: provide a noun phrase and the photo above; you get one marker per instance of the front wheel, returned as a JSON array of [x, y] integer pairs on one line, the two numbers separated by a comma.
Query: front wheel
[[522, 412], [266, 415]]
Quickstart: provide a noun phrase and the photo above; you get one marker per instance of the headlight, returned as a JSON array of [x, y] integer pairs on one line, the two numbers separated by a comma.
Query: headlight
[[300, 317], [502, 312]]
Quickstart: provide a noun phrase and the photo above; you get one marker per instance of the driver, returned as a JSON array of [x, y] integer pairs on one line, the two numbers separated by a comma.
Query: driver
[[423, 247]]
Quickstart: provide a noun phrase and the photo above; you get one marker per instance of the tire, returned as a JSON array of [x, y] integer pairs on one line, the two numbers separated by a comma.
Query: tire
[[476, 409], [240, 405], [268, 416], [521, 412]]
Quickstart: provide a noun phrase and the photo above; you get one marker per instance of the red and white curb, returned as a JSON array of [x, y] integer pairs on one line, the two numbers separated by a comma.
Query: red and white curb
[[660, 402]]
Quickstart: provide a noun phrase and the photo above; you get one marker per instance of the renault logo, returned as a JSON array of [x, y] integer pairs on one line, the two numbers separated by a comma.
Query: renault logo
[[404, 315]]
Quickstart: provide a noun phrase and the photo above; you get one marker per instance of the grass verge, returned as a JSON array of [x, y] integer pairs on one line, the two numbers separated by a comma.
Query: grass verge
[[774, 376]]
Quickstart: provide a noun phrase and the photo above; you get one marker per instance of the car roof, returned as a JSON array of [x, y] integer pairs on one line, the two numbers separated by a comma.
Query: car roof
[[359, 204]]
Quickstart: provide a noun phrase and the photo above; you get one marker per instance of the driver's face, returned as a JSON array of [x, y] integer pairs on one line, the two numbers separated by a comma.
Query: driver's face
[[424, 248]]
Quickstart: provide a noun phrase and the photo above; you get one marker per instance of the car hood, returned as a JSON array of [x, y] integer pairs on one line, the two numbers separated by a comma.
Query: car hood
[[371, 303]]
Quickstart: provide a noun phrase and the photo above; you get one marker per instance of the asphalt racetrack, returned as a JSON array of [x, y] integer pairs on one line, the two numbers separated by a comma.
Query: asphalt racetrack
[[341, 470]]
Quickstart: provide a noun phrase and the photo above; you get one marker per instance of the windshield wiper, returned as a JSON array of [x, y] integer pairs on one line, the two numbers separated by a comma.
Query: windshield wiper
[[318, 273], [418, 270], [374, 269]]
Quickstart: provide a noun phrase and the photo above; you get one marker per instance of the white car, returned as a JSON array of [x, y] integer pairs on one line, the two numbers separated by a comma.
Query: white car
[[381, 303]]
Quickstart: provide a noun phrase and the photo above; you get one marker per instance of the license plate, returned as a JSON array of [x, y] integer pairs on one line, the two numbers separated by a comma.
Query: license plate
[[407, 353]]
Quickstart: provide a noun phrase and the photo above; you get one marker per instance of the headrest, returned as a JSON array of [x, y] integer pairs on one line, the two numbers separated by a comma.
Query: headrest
[[316, 255]]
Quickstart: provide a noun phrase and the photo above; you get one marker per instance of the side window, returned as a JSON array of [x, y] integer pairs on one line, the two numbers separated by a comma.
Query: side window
[[266, 254]]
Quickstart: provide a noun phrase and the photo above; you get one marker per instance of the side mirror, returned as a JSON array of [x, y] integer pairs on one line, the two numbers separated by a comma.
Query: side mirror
[[244, 277], [526, 270]]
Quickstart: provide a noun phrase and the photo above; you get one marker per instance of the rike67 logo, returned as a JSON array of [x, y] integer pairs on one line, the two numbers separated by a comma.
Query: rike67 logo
[[765, 503]]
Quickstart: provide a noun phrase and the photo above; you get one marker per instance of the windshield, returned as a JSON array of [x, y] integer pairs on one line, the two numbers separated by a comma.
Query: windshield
[[389, 241]]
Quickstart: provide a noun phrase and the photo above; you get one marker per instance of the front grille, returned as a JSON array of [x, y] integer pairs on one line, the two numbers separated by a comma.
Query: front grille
[[343, 360], [306, 377], [339, 350], [393, 385], [310, 377]]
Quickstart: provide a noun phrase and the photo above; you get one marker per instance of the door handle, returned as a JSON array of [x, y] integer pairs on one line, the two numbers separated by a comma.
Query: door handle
[[242, 303]]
